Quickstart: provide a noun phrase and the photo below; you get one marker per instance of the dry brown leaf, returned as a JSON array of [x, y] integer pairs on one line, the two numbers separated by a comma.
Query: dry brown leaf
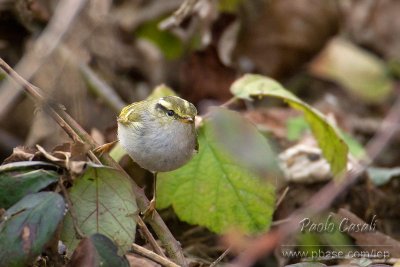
[[204, 76], [85, 255], [358, 71], [21, 153]]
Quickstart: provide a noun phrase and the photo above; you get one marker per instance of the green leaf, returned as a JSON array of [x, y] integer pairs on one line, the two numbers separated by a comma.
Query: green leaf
[[297, 126], [215, 191], [28, 226], [332, 145], [97, 250], [380, 176], [14, 186], [104, 203], [355, 148]]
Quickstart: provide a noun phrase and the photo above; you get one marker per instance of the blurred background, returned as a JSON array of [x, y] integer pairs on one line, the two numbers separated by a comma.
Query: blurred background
[[341, 56], [95, 56]]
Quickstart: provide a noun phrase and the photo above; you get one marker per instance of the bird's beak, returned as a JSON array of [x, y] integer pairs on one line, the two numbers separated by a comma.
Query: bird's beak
[[187, 120]]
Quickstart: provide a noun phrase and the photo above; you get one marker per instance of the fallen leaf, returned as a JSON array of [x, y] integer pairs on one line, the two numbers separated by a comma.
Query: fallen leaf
[[360, 72]]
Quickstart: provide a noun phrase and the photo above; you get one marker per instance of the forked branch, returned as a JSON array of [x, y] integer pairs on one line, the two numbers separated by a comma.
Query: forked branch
[[77, 133]]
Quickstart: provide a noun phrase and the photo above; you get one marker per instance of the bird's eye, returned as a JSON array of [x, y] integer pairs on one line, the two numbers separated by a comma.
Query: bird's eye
[[170, 113]]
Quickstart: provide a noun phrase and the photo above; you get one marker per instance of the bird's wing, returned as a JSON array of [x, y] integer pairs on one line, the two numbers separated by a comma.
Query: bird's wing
[[130, 113]]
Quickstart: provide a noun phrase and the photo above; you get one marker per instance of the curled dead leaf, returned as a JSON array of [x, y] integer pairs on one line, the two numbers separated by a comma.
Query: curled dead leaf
[[21, 153]]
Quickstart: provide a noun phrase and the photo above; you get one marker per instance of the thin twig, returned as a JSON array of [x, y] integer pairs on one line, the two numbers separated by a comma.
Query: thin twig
[[278, 222], [101, 88], [220, 258], [322, 199], [42, 48], [179, 15], [71, 209], [282, 197], [152, 256], [76, 132], [149, 237]]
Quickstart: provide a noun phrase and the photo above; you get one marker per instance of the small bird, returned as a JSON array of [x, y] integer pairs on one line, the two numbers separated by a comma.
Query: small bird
[[159, 135]]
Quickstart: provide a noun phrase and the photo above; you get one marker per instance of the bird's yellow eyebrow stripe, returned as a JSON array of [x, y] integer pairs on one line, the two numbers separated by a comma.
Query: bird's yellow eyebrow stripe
[[165, 104]]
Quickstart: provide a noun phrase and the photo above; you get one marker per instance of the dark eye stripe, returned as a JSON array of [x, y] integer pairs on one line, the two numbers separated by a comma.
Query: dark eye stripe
[[160, 107], [169, 112]]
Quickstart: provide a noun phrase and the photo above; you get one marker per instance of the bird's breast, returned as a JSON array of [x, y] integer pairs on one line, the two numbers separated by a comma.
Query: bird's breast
[[159, 147]]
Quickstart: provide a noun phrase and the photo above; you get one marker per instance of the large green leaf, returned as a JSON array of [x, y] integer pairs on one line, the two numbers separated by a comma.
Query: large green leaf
[[14, 185], [104, 203], [215, 191], [28, 226], [332, 145]]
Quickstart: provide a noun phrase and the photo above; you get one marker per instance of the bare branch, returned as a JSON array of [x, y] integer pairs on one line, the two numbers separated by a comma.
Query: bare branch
[[101, 88], [76, 132], [149, 237], [220, 258], [152, 256]]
